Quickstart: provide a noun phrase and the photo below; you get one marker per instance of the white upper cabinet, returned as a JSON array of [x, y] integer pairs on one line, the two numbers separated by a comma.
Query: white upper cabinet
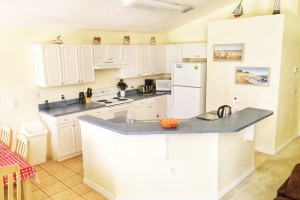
[[48, 65], [137, 60], [86, 63], [131, 62], [196, 50], [144, 57], [173, 55], [69, 64], [157, 59], [108, 53], [63, 64]]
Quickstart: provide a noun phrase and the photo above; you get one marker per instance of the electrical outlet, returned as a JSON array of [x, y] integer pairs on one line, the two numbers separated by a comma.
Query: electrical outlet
[[15, 104], [37, 95], [295, 70], [173, 171], [295, 91]]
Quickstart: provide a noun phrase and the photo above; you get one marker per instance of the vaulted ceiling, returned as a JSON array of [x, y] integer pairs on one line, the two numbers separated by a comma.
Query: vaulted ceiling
[[100, 14]]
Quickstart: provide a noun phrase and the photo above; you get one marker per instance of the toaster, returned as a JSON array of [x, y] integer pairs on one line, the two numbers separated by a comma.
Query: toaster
[[145, 88]]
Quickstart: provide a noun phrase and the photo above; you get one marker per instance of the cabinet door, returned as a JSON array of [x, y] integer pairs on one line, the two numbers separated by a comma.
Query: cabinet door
[[144, 60], [100, 112], [116, 53], [66, 139], [202, 50], [190, 50], [86, 63], [78, 130], [100, 53], [131, 61], [141, 113], [157, 59], [173, 55], [69, 60], [48, 65]]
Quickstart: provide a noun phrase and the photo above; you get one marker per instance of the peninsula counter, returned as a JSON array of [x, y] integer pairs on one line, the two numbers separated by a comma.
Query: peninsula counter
[[143, 161]]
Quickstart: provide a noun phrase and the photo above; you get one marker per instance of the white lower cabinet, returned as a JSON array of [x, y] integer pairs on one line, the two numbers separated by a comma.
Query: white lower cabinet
[[66, 135], [151, 108], [64, 138]]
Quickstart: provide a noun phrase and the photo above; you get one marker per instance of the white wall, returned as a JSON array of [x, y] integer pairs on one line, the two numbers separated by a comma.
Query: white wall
[[262, 37]]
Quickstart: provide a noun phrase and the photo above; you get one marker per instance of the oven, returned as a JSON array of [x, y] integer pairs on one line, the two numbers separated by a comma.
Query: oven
[[120, 110]]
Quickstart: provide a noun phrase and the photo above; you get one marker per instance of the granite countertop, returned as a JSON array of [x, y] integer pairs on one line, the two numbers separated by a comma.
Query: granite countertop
[[70, 109], [140, 96], [74, 106], [231, 123]]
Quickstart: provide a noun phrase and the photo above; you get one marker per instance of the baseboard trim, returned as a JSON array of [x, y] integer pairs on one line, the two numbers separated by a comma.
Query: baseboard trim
[[235, 183], [99, 189], [110, 196], [181, 197], [274, 152], [265, 150], [286, 143]]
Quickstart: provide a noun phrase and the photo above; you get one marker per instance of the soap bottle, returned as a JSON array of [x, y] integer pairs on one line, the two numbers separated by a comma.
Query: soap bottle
[[235, 105], [128, 118]]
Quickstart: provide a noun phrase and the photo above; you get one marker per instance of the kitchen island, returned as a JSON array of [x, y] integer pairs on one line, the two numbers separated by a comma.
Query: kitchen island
[[197, 160]]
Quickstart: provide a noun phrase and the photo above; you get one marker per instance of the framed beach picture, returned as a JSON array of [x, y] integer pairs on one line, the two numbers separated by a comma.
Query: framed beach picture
[[228, 52], [259, 76]]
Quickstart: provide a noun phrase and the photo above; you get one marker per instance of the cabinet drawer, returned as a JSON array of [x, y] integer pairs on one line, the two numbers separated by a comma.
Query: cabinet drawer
[[65, 119], [143, 102], [76, 115], [98, 112], [159, 98]]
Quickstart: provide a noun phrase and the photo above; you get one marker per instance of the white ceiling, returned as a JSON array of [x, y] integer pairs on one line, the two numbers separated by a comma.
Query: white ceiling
[[99, 14]]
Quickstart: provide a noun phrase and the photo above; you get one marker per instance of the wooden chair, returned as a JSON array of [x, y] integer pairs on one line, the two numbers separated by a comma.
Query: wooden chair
[[22, 146], [6, 135], [8, 192]]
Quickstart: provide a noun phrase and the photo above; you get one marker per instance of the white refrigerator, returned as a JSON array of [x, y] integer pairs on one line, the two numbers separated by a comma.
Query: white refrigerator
[[188, 90]]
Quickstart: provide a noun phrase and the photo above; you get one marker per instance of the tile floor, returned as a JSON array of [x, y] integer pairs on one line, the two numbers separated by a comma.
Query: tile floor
[[64, 180]]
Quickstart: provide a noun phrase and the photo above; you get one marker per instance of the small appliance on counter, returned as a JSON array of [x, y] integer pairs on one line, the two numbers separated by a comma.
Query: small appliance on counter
[[145, 88], [81, 98], [163, 85], [224, 111]]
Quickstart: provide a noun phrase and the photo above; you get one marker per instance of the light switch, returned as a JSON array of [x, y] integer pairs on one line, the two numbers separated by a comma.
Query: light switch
[[295, 91], [295, 70]]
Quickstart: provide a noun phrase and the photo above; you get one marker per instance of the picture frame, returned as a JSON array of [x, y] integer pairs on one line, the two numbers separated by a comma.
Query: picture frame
[[228, 52], [259, 76]]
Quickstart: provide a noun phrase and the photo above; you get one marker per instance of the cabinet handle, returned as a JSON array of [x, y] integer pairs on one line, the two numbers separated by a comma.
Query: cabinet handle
[[157, 116]]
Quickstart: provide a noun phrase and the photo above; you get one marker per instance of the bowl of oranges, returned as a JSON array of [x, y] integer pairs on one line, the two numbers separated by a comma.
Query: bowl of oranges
[[169, 122]]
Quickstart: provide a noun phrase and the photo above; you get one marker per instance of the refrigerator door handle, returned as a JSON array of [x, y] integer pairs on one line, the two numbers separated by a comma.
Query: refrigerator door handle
[[172, 95]]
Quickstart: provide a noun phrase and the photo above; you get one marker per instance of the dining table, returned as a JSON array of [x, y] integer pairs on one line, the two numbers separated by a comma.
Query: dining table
[[8, 157]]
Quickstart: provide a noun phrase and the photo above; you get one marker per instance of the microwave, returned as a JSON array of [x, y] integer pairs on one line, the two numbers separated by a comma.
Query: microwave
[[163, 85]]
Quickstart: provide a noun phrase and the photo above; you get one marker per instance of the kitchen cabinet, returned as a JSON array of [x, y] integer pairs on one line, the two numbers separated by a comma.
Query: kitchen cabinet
[[86, 63], [158, 59], [194, 50], [144, 56], [173, 55], [64, 138], [108, 53], [150, 108], [137, 60], [69, 64], [131, 62], [63, 64], [99, 112]]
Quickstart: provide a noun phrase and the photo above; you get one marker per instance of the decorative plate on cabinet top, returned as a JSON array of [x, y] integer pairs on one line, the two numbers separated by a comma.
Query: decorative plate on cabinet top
[[169, 122]]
